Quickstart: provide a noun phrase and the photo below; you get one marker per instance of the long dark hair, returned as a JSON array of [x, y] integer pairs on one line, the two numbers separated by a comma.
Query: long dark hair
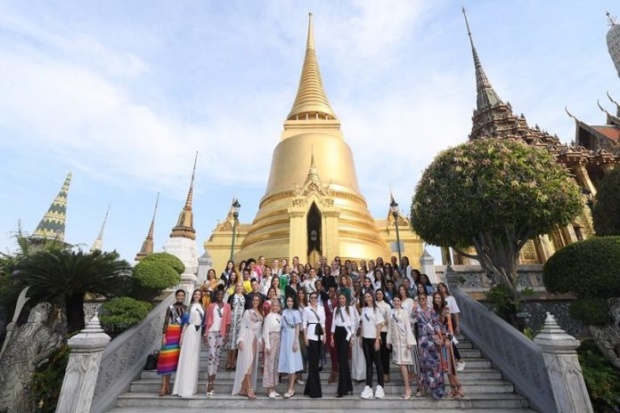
[[442, 306], [347, 303]]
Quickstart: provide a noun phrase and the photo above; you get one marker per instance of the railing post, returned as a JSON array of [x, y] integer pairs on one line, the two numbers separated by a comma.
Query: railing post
[[78, 386], [560, 355]]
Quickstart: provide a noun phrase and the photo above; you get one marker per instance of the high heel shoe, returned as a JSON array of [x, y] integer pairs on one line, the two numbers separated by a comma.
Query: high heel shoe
[[289, 394], [250, 394], [407, 396]]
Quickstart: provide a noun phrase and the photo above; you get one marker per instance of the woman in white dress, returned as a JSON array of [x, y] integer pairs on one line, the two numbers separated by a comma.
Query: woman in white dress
[[384, 351], [186, 380], [271, 337], [248, 343], [400, 338], [290, 355], [358, 362]]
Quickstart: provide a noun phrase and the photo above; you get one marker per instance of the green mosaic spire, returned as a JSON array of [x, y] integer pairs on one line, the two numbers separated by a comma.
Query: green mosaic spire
[[52, 226]]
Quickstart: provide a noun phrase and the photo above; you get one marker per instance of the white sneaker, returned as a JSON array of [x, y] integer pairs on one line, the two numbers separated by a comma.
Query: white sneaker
[[379, 393], [460, 366], [367, 393]]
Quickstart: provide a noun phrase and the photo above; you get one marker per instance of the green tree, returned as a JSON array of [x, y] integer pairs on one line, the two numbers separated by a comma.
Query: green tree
[[63, 277], [606, 209], [493, 195], [154, 273]]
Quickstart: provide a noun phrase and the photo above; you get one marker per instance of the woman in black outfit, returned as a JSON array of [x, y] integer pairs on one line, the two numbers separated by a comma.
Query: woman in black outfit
[[344, 326], [314, 335]]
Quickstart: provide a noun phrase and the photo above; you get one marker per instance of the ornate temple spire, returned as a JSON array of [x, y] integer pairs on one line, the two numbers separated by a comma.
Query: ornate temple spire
[[311, 100], [52, 226], [147, 245], [98, 244], [487, 98], [185, 223]]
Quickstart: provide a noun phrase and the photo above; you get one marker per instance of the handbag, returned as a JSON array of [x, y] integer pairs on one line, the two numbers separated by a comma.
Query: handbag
[[318, 328], [151, 361]]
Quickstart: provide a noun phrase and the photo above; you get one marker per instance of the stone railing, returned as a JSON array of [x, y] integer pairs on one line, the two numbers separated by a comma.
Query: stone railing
[[474, 278], [125, 356], [519, 359]]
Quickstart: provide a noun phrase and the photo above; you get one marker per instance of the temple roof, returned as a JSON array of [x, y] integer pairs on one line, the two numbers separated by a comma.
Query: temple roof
[[486, 95], [185, 223], [311, 100], [52, 225]]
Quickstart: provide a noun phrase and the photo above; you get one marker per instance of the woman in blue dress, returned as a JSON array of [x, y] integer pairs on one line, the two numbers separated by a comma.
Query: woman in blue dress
[[290, 354]]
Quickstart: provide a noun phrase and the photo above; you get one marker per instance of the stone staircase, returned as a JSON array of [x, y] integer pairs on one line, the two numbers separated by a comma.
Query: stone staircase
[[486, 391]]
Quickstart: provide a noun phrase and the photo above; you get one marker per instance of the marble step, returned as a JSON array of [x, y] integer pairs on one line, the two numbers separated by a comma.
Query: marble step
[[406, 409], [465, 354], [470, 373], [396, 388], [328, 402]]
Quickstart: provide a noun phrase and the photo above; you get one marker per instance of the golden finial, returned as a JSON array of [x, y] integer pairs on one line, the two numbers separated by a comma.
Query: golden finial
[[147, 245], [185, 223], [311, 101], [98, 244]]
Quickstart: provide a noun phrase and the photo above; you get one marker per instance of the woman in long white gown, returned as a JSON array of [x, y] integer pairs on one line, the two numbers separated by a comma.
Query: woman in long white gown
[[358, 362], [186, 380], [248, 343]]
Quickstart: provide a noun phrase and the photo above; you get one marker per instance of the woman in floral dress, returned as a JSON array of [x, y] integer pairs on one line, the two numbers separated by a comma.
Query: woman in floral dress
[[237, 305], [218, 318], [431, 375], [271, 337]]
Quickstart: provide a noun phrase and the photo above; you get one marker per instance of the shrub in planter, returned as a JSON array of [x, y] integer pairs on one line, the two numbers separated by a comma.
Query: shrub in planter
[[590, 310], [151, 277], [586, 268], [165, 258], [118, 314]]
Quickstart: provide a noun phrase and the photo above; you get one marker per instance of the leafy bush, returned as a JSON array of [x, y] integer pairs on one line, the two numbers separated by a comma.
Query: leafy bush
[[118, 314], [165, 258], [606, 210], [586, 268], [602, 380], [151, 277], [590, 310], [47, 380]]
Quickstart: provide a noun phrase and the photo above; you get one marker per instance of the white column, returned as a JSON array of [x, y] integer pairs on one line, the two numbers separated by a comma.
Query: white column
[[78, 386], [559, 352], [427, 266]]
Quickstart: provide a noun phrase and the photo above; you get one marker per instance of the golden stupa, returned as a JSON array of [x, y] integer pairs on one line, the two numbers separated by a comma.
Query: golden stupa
[[312, 205]]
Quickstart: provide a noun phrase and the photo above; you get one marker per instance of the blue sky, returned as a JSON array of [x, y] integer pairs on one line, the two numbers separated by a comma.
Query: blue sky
[[123, 93]]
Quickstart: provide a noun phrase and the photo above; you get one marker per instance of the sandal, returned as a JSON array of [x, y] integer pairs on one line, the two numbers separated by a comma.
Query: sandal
[[288, 394], [250, 394], [419, 393], [459, 392]]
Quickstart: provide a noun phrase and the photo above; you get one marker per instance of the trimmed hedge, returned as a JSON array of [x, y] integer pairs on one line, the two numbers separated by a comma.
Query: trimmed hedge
[[586, 268], [155, 276], [167, 259], [590, 310], [606, 209], [118, 314]]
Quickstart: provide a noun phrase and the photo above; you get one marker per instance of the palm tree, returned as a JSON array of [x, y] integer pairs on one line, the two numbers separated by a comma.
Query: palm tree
[[63, 277]]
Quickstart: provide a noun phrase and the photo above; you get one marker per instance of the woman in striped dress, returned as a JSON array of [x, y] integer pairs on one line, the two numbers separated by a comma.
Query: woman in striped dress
[[170, 349]]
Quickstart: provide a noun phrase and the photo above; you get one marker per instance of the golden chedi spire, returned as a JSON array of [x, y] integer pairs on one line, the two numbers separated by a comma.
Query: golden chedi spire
[[98, 244], [147, 245], [299, 215], [185, 223], [311, 100], [52, 225]]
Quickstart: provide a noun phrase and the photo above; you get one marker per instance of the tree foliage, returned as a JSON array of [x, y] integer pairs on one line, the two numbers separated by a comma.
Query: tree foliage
[[121, 313], [165, 258], [151, 277], [493, 195], [587, 268], [606, 210], [66, 276]]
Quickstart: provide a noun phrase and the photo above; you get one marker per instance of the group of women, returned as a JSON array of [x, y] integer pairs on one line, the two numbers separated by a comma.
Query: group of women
[[361, 324]]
